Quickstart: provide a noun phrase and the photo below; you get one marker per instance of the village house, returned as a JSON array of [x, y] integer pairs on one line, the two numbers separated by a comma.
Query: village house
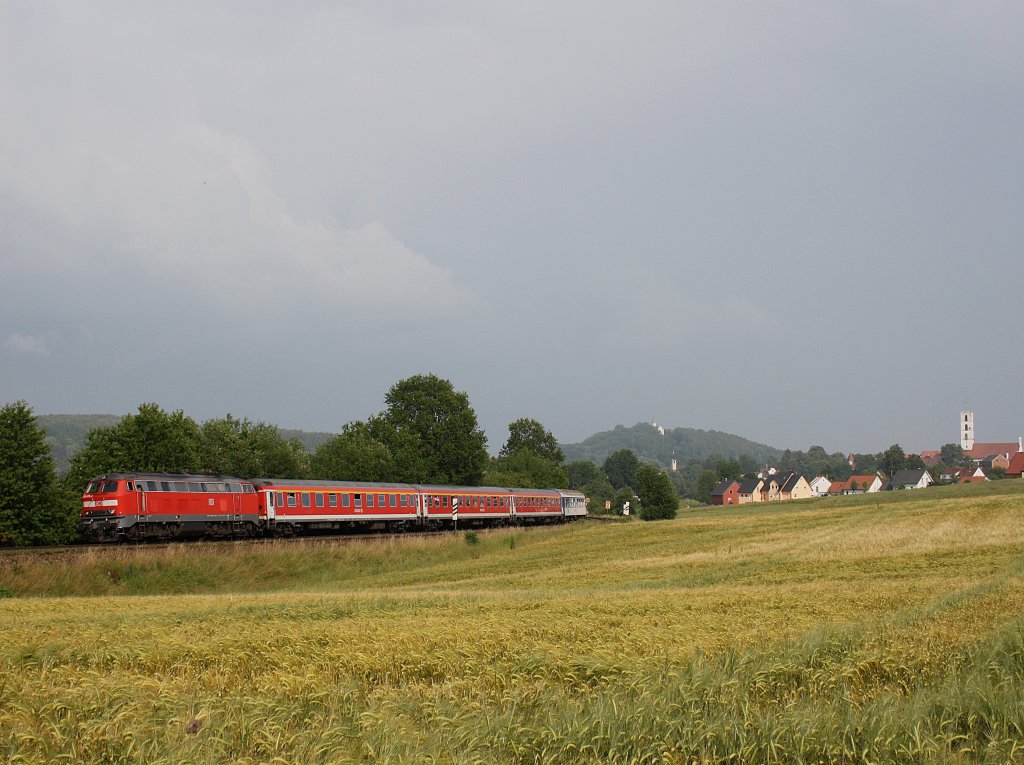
[[750, 491], [857, 484], [963, 475], [820, 485], [726, 493], [1016, 468], [783, 486], [991, 462], [908, 479]]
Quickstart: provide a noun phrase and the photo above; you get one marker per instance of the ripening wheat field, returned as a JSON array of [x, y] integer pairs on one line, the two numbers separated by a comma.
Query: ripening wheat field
[[862, 629]]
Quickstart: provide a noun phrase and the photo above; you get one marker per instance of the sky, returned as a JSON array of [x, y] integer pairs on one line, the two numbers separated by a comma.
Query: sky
[[799, 222]]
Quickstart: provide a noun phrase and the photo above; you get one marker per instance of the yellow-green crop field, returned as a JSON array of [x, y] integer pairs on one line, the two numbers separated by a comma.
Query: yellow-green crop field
[[862, 629]]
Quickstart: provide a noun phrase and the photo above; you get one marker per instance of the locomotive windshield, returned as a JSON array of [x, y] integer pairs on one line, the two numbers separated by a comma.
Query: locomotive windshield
[[101, 487]]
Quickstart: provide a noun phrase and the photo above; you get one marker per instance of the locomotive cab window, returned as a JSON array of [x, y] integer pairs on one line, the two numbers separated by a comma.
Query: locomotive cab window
[[129, 486]]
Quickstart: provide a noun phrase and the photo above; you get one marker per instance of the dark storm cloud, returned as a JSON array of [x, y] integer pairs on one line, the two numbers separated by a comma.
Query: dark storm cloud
[[793, 221]]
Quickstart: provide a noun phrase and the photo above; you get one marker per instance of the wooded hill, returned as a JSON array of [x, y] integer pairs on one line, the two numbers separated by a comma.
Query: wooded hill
[[684, 444]]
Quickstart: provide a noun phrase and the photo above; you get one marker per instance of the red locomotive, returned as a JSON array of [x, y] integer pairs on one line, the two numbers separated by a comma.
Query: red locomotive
[[125, 506]]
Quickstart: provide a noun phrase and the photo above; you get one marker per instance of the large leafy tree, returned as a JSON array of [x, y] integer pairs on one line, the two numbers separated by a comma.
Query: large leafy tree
[[658, 500], [355, 454], [33, 507], [432, 432], [152, 440], [893, 460], [250, 450], [526, 470], [531, 458], [529, 435], [620, 467], [952, 455]]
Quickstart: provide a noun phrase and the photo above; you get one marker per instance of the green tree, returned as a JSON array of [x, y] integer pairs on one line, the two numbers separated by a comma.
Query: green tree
[[620, 467], [952, 455], [271, 455], [658, 500], [728, 469], [150, 441], [705, 484], [33, 507], [526, 470], [432, 432], [893, 459], [353, 455], [582, 472], [531, 435]]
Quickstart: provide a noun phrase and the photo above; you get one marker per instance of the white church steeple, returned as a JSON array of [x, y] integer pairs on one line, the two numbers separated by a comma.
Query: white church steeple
[[966, 429]]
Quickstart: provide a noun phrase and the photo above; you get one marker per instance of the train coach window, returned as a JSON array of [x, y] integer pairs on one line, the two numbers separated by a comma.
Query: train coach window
[[332, 500], [405, 500], [291, 499], [305, 499], [359, 500], [444, 501], [369, 500], [319, 499], [280, 499], [346, 500]]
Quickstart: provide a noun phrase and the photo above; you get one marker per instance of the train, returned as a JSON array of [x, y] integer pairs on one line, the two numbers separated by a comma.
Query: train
[[166, 506]]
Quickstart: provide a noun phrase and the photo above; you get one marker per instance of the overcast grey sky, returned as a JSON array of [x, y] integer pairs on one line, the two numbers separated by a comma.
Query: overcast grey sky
[[799, 222]]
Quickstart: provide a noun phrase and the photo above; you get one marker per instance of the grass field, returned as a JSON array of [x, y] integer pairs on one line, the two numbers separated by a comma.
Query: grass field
[[859, 629]]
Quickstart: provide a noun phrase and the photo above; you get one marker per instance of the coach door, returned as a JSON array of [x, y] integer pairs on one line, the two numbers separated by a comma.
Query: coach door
[[268, 502]]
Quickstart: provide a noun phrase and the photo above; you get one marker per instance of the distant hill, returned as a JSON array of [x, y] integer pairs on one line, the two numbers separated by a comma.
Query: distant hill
[[684, 444], [66, 433]]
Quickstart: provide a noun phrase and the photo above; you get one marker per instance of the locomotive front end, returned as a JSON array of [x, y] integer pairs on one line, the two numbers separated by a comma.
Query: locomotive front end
[[101, 507]]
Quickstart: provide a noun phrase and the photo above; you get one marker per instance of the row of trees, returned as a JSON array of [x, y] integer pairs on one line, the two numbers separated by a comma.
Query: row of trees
[[428, 433]]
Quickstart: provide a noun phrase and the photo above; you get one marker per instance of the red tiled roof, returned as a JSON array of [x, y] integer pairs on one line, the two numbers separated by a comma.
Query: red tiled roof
[[981, 450], [863, 482], [1016, 464]]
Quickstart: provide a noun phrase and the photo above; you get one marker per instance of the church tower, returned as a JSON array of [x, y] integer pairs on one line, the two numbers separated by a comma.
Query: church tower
[[966, 429]]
